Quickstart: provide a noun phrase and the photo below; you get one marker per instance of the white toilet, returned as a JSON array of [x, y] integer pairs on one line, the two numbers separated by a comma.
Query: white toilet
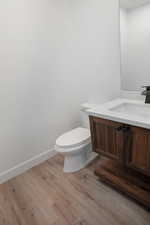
[[75, 146]]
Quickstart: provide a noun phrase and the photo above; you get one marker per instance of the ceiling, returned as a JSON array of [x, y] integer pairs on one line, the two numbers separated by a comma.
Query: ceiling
[[129, 4]]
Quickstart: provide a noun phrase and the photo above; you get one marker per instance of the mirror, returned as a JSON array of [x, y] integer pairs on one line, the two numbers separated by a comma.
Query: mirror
[[135, 44]]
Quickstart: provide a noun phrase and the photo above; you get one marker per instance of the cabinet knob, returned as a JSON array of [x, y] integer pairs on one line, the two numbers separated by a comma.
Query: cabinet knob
[[123, 128], [119, 128]]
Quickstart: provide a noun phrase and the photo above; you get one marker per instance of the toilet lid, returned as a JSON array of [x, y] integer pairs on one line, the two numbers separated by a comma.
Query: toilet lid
[[73, 138]]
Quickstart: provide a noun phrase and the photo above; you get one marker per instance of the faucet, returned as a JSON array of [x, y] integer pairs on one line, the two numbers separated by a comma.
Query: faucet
[[146, 92]]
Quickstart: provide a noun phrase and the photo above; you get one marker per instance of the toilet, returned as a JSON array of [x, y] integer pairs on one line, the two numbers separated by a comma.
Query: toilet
[[75, 146]]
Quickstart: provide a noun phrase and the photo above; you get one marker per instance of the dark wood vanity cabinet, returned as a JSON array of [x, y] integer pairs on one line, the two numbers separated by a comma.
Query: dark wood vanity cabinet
[[127, 152], [127, 144]]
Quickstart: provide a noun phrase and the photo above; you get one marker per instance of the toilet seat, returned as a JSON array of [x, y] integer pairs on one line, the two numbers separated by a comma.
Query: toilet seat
[[73, 139]]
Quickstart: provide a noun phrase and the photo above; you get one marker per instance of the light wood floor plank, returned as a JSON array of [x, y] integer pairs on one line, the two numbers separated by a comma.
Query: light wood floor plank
[[46, 196]]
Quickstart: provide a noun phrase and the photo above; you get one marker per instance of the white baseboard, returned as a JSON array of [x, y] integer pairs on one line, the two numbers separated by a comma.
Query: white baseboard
[[22, 167]]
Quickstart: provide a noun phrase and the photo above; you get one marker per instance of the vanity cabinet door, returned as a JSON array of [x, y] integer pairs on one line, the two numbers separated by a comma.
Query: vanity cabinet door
[[107, 138], [138, 151]]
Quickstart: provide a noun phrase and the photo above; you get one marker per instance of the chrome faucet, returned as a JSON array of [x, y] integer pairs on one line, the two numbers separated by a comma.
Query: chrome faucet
[[146, 92]]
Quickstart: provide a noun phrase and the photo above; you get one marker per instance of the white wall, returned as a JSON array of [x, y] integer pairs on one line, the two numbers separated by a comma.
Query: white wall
[[54, 55], [137, 72]]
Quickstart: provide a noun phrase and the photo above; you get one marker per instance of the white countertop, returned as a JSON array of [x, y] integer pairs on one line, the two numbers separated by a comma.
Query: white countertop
[[137, 119]]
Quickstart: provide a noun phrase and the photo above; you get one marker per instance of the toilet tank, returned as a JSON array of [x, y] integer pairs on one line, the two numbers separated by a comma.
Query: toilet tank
[[84, 116]]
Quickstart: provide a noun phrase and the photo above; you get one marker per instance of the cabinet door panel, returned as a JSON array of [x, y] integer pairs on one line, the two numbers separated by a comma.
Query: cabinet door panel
[[100, 132], [106, 138], [139, 150]]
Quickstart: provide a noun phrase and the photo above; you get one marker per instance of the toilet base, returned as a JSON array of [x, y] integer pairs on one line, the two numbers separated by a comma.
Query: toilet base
[[77, 162]]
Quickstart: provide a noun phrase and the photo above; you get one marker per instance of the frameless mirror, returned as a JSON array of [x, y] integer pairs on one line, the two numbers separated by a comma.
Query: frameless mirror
[[135, 43]]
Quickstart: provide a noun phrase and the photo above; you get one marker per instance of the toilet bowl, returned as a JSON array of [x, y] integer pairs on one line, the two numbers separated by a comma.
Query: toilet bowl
[[75, 146]]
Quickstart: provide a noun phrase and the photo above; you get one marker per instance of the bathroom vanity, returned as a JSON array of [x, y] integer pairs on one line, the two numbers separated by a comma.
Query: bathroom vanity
[[120, 132]]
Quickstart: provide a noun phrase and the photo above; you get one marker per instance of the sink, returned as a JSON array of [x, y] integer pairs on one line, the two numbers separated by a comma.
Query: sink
[[132, 112], [133, 109]]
